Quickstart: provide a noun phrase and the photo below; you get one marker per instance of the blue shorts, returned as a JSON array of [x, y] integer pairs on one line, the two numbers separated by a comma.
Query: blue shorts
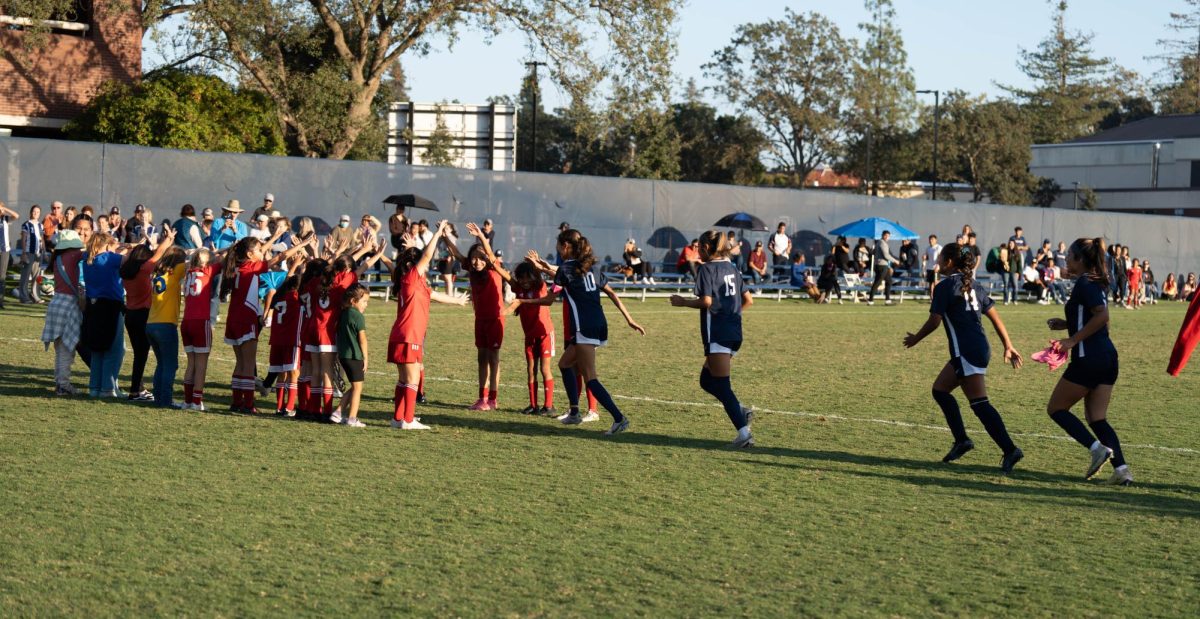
[[964, 368], [1093, 370]]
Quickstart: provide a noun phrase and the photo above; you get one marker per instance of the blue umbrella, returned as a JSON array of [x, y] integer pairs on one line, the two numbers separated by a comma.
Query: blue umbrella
[[873, 228]]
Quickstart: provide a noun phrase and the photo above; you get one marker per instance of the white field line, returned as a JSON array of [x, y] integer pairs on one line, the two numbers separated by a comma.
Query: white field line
[[805, 414]]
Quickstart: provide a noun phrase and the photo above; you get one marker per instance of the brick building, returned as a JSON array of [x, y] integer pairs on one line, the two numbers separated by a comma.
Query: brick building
[[101, 40]]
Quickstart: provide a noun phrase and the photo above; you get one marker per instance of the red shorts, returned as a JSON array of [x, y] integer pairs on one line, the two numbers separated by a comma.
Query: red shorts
[[404, 352], [196, 335], [489, 333], [241, 329], [284, 358], [542, 347], [318, 339]]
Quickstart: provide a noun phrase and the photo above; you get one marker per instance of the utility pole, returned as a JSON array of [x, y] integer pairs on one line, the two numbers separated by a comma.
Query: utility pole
[[936, 114], [536, 87]]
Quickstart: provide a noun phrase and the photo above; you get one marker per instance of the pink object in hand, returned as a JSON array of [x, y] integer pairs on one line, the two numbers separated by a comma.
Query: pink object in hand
[[1052, 356]]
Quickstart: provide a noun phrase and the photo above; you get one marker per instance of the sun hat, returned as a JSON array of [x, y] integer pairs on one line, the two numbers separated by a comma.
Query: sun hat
[[233, 207], [67, 239]]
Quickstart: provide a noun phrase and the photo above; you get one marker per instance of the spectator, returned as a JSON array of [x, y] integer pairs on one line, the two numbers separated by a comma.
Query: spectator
[[563, 227], [884, 261], [116, 225], [640, 268], [206, 225], [6, 215], [369, 228], [1033, 283], [64, 316], [1170, 288], [1134, 298], [1126, 264], [447, 264], [69, 216], [1117, 271], [841, 256], [930, 263], [967, 230], [1060, 258], [230, 230], [1045, 251], [262, 228], [1189, 288], [88, 210], [1010, 258], [32, 247], [735, 253], [827, 282], [424, 234], [1149, 284], [397, 226], [305, 231], [1018, 237], [342, 237], [758, 264], [51, 223], [862, 256], [780, 247], [268, 207], [188, 235], [799, 271], [973, 246], [140, 227], [489, 231], [910, 258], [689, 259], [1057, 290]]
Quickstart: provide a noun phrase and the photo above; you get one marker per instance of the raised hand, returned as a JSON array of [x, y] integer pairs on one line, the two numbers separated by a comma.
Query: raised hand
[[474, 230]]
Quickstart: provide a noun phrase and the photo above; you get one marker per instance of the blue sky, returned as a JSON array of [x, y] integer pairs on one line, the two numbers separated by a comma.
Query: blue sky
[[966, 44]]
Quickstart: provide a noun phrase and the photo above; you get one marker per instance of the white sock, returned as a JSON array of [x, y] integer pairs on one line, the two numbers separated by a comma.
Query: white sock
[[743, 431]]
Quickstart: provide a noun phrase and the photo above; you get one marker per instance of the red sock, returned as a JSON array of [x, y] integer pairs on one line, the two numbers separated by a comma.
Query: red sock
[[198, 396], [291, 397], [410, 402], [327, 402], [187, 392], [281, 391], [483, 393], [533, 394], [491, 396], [591, 399], [549, 388], [399, 402]]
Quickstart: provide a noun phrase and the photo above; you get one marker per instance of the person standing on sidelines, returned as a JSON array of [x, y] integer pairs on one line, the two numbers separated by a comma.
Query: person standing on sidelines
[[959, 303], [32, 246], [581, 282], [1094, 366], [103, 319], [188, 234], [932, 263], [721, 296], [780, 246], [64, 316], [884, 261], [166, 287], [6, 215], [136, 273]]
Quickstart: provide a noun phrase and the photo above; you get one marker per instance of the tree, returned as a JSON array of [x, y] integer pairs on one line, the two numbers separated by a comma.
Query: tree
[[1180, 91], [440, 150], [986, 144], [356, 43], [1086, 198], [184, 110], [883, 91], [717, 149], [1069, 83], [793, 77], [1045, 192]]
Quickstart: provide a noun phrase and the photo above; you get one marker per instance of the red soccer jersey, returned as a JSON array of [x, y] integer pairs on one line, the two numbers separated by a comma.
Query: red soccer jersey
[[288, 320], [412, 309], [535, 319], [197, 292], [487, 294], [245, 288]]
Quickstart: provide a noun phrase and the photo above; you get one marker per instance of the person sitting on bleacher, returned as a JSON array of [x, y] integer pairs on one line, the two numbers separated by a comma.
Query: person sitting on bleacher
[[689, 259], [758, 264], [633, 259], [1034, 284]]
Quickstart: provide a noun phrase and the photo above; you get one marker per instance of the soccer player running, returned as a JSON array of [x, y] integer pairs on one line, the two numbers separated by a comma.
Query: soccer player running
[[582, 282], [721, 297], [1093, 369], [959, 303]]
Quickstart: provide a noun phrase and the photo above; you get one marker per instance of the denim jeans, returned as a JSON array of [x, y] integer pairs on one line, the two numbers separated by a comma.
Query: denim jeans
[[164, 341], [106, 365], [1010, 287], [31, 270]]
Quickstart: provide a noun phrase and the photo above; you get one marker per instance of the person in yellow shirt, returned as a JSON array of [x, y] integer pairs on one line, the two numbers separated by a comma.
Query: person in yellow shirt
[[162, 326]]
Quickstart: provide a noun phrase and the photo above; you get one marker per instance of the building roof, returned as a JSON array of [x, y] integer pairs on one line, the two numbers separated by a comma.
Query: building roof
[[1147, 130]]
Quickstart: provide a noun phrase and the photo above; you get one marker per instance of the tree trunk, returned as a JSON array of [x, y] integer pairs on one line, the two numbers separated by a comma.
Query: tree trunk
[[358, 114]]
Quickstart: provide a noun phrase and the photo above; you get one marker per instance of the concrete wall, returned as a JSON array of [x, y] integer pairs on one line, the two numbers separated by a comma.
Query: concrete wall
[[527, 207]]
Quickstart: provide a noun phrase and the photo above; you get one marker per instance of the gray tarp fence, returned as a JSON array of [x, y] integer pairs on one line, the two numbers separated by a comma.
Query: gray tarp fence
[[528, 207]]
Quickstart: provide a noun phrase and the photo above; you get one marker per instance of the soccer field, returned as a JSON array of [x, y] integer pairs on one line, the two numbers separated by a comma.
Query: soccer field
[[843, 508]]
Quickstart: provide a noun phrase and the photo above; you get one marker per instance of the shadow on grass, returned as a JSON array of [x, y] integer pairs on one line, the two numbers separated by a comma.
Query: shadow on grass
[[1079, 492]]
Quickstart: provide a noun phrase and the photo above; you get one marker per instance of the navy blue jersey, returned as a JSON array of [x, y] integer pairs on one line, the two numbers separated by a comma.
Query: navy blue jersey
[[581, 294], [1086, 295], [962, 316], [721, 323]]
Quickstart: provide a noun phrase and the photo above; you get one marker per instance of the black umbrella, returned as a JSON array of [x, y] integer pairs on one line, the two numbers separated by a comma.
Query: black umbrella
[[742, 220], [409, 200], [667, 238]]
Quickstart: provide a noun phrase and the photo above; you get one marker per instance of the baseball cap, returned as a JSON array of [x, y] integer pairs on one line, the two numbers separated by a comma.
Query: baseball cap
[[345, 218], [116, 210], [263, 218], [276, 215], [139, 208], [206, 214], [269, 197]]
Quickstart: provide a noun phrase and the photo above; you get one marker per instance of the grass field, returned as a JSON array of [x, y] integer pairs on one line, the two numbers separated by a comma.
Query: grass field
[[843, 508]]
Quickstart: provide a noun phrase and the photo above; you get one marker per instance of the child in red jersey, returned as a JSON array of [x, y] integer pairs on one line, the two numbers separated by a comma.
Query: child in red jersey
[[242, 270], [196, 327], [539, 336], [287, 320], [487, 279], [406, 344]]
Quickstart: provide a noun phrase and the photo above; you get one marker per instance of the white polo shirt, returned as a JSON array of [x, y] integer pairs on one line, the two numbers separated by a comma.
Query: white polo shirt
[[781, 244], [931, 256]]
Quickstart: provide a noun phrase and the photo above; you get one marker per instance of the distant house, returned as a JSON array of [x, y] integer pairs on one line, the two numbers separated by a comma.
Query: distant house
[[1148, 166], [95, 43], [828, 178]]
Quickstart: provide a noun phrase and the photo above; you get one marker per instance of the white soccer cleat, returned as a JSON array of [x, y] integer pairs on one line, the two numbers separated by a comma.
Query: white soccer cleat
[[743, 441], [618, 427], [572, 419], [1100, 455], [335, 417], [590, 416], [354, 422], [1122, 476], [413, 425]]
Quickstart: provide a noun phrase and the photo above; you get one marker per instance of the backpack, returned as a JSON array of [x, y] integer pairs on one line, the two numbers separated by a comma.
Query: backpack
[[994, 264]]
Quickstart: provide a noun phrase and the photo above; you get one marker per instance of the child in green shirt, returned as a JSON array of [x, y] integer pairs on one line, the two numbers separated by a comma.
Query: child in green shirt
[[352, 350]]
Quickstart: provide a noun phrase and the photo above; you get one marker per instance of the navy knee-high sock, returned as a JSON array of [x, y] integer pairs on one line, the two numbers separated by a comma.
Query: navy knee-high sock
[[605, 400], [706, 379], [993, 424], [1108, 437], [1074, 427], [953, 415], [572, 387], [723, 391]]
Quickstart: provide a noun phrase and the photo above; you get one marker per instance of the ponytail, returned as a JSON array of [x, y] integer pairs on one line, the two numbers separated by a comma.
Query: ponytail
[[237, 256], [1091, 253], [962, 261], [581, 250], [97, 244], [715, 244]]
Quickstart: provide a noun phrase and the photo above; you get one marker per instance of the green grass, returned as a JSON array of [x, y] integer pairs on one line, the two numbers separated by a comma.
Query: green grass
[[843, 509]]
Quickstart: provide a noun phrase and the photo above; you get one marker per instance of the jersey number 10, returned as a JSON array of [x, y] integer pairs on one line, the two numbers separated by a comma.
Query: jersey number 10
[[589, 281]]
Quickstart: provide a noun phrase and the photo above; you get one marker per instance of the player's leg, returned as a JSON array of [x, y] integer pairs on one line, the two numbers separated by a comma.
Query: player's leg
[[975, 388], [585, 359], [943, 387], [1096, 410], [715, 379], [1066, 394]]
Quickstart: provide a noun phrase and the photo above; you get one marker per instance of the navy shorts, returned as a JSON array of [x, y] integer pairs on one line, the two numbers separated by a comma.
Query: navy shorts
[[964, 368], [728, 348], [1093, 371]]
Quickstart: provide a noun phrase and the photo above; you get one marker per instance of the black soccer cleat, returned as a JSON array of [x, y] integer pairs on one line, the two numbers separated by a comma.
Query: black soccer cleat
[[421, 399], [529, 410], [548, 411], [1011, 459], [958, 449]]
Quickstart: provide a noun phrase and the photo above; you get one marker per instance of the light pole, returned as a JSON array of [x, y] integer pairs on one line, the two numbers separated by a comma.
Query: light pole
[[1075, 196], [936, 113], [536, 87]]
